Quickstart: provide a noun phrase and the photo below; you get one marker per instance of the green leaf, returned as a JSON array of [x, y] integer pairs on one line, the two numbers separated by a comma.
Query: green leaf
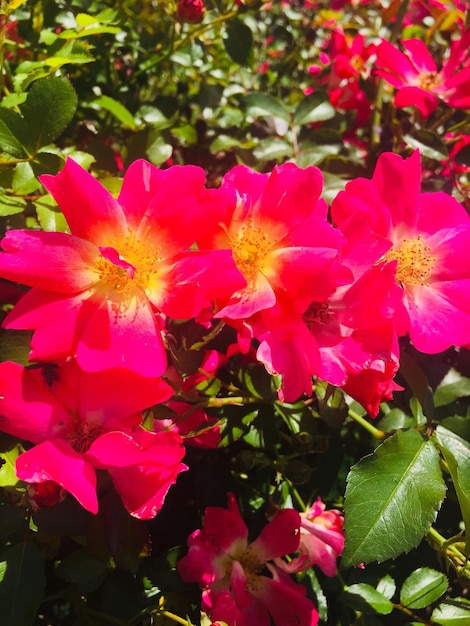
[[81, 569], [392, 498], [13, 133], [224, 142], [423, 587], [363, 597], [272, 148], [24, 179], [259, 104], [456, 453], [12, 519], [452, 388], [158, 151], [117, 109], [314, 108], [50, 218], [8, 476], [10, 205], [429, 144], [454, 612], [22, 585], [387, 586], [49, 107], [238, 41]]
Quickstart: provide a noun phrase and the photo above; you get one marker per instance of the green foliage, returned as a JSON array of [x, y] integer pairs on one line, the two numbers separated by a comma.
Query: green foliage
[[388, 505]]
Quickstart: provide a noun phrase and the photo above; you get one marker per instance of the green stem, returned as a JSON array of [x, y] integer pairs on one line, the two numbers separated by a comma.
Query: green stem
[[407, 611], [175, 618], [451, 551], [375, 432], [219, 402]]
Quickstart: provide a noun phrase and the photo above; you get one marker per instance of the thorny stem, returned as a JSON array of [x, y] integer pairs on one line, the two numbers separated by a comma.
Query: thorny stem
[[375, 432]]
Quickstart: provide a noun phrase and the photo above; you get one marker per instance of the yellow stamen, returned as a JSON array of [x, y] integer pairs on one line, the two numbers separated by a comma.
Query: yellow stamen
[[250, 247], [139, 259], [429, 80], [415, 262]]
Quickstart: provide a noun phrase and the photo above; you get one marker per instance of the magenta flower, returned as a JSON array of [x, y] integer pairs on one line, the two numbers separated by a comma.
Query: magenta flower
[[230, 570], [321, 540], [419, 81], [344, 338], [125, 262], [428, 239], [83, 422], [279, 236]]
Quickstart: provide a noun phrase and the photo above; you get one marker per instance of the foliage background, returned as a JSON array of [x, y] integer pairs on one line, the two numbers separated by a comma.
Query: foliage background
[[108, 83]]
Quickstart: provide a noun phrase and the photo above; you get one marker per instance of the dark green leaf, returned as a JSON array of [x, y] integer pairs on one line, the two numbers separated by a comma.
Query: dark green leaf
[[12, 519], [423, 587], [238, 41], [314, 108], [81, 569], [388, 506], [21, 586], [365, 598], [13, 133], [463, 156], [429, 144], [48, 109]]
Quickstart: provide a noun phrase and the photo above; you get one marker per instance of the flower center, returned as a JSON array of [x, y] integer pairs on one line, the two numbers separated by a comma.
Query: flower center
[[250, 248], [129, 263], [429, 80], [83, 436], [414, 261], [252, 568], [317, 313]]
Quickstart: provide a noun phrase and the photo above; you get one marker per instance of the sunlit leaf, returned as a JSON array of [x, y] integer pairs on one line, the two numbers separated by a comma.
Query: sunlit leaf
[[452, 612], [363, 597], [388, 505], [423, 587]]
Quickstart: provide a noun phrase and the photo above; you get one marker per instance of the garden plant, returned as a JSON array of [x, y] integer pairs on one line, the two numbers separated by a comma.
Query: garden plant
[[235, 312]]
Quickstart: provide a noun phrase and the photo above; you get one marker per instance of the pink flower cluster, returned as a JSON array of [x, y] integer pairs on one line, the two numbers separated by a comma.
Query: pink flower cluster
[[419, 80], [245, 584], [315, 300]]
